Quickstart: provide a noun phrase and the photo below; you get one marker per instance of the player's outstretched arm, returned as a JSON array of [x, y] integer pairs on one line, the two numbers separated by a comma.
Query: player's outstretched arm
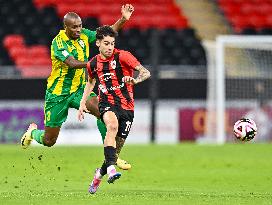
[[88, 89], [143, 75], [126, 11], [76, 64]]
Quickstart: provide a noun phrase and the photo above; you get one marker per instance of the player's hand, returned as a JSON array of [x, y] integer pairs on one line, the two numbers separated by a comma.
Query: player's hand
[[129, 80], [127, 11], [81, 110]]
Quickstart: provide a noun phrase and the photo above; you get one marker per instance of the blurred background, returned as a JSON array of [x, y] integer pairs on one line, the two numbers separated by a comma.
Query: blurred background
[[175, 39]]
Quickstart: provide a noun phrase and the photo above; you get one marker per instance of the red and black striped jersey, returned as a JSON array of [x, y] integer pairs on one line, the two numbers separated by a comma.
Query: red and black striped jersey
[[109, 73]]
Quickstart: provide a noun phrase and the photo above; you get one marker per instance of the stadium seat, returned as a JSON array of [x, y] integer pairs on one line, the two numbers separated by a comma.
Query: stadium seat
[[257, 21], [24, 62], [230, 9], [17, 52], [39, 51], [62, 9], [42, 61], [264, 8], [269, 20], [13, 40], [244, 14], [248, 9]]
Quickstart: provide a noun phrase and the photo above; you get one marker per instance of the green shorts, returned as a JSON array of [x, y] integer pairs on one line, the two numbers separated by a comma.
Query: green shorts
[[56, 107]]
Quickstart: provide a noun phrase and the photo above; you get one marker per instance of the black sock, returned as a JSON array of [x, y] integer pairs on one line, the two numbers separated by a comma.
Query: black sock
[[103, 170], [110, 155]]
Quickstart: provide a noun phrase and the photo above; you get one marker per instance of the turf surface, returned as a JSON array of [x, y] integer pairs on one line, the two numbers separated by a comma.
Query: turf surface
[[161, 174]]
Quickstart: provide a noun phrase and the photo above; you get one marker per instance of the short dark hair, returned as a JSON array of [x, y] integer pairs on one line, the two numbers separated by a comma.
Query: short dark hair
[[104, 31]]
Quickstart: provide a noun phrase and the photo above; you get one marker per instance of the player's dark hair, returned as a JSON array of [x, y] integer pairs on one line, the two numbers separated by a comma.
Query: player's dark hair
[[104, 31]]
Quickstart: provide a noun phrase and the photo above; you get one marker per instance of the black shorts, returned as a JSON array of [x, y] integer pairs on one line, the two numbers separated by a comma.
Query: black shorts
[[125, 118]]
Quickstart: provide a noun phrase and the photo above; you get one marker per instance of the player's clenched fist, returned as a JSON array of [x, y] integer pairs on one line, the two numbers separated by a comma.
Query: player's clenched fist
[[129, 80]]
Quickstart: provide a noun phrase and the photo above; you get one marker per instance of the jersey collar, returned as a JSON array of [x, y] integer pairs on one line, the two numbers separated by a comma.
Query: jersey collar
[[108, 59], [63, 35]]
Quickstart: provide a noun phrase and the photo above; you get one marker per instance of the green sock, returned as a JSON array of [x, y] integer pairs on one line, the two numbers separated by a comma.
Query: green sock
[[38, 135], [102, 129]]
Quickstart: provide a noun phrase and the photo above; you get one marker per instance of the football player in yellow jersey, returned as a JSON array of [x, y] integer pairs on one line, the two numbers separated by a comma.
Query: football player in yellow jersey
[[65, 85]]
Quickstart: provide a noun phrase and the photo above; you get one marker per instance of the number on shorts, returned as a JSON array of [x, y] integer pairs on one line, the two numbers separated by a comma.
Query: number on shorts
[[128, 123], [48, 116]]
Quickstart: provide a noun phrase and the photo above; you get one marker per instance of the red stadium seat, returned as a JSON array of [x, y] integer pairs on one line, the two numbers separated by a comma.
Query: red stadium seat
[[231, 9], [269, 21], [239, 22], [239, 1], [252, 14], [260, 1], [39, 51], [139, 22], [114, 10], [24, 62], [257, 21], [42, 61], [13, 40], [44, 3], [106, 19], [80, 9], [18, 52], [62, 9], [264, 8], [248, 9]]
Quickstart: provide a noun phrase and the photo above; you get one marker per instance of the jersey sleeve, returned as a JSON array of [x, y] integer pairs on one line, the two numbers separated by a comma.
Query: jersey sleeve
[[90, 70], [90, 34], [60, 49], [127, 59]]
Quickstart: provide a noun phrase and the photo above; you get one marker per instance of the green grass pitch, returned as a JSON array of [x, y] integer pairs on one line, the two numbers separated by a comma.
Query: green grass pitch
[[161, 174]]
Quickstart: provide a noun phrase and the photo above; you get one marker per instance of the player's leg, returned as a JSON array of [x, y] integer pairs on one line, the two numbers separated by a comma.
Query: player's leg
[[122, 164], [92, 106], [111, 122], [46, 137], [107, 167], [125, 123], [56, 112]]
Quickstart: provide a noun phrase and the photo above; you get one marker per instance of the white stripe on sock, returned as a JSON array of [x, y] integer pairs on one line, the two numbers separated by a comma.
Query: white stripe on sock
[[110, 168]]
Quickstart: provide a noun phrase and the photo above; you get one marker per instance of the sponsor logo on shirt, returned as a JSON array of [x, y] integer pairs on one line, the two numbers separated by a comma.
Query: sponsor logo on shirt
[[65, 53], [113, 64], [81, 43], [105, 77], [104, 89]]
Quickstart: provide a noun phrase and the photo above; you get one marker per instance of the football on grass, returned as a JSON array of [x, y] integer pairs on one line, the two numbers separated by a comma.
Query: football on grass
[[245, 129]]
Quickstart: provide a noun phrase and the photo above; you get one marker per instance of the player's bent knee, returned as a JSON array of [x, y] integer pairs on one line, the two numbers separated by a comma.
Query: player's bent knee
[[49, 142], [112, 127]]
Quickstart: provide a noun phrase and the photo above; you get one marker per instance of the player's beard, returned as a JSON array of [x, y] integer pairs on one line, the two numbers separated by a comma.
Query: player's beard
[[107, 54]]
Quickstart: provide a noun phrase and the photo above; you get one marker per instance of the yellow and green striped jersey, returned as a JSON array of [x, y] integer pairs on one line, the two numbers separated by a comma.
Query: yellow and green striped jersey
[[64, 80]]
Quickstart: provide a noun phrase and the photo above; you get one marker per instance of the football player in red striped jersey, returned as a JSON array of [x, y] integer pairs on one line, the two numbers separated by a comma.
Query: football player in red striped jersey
[[113, 70]]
